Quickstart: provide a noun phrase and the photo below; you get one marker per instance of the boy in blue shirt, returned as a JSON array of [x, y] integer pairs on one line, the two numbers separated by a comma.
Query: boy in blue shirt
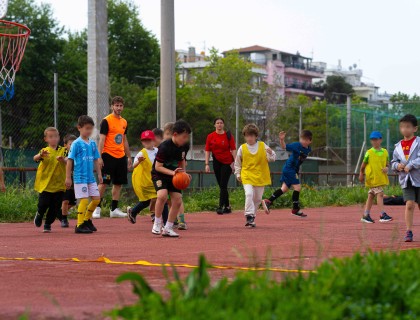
[[290, 173], [83, 157]]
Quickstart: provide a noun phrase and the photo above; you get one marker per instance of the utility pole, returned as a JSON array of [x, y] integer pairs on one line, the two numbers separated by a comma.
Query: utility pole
[[237, 122], [55, 100], [348, 160], [167, 63]]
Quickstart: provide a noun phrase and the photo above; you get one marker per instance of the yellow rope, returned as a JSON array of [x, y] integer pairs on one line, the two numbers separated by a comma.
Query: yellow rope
[[150, 264]]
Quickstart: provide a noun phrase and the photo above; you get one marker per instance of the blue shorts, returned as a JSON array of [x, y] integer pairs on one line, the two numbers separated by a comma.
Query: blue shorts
[[289, 178]]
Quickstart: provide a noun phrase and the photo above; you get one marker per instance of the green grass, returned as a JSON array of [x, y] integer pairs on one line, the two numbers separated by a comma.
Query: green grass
[[18, 205], [381, 285]]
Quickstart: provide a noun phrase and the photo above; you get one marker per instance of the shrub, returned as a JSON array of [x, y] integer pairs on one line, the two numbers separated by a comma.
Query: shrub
[[382, 285]]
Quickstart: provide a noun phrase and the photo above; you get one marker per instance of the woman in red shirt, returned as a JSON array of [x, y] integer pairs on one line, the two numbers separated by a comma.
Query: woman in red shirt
[[222, 146]]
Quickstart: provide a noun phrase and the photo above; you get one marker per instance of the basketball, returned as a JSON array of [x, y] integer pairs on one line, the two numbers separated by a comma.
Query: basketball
[[181, 180]]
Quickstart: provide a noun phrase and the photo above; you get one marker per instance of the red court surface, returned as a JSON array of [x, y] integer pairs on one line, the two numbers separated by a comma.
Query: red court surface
[[83, 290]]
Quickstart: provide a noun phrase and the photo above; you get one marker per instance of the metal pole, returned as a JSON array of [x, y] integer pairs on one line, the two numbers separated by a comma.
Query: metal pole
[[192, 145], [158, 107], [326, 134], [55, 99], [1, 129], [167, 62], [300, 119], [237, 122], [348, 164], [364, 132]]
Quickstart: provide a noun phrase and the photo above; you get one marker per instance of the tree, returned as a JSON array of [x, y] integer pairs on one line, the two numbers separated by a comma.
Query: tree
[[133, 50], [404, 97], [336, 84]]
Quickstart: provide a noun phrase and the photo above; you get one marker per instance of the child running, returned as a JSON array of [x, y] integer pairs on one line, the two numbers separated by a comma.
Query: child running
[[290, 172], [251, 168], [406, 162], [49, 181], [69, 199], [375, 166], [83, 158], [142, 175], [169, 160]]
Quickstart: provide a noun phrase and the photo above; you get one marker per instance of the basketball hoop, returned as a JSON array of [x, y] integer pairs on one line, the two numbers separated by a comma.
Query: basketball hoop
[[13, 39]]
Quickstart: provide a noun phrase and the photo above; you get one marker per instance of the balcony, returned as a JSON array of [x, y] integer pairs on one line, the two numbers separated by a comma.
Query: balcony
[[303, 69], [304, 88]]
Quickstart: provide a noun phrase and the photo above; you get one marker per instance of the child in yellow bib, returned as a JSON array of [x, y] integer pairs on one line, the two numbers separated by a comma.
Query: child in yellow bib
[[142, 175], [251, 168], [375, 167], [50, 179]]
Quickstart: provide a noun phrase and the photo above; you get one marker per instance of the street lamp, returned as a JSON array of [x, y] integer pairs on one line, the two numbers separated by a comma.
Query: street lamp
[[155, 81], [348, 142]]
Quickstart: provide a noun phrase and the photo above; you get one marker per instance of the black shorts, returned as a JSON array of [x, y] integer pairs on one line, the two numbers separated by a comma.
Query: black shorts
[[165, 184], [70, 197], [115, 170]]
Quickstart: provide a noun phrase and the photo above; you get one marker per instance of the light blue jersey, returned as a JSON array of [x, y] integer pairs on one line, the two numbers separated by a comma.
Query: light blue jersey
[[83, 154]]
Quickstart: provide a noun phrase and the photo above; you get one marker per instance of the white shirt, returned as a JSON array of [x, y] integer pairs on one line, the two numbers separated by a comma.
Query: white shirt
[[253, 149], [151, 153]]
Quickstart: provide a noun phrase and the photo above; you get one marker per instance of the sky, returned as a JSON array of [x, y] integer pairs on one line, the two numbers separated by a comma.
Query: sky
[[380, 36]]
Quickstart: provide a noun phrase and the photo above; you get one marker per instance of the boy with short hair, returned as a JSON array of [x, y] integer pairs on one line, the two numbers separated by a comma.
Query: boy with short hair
[[49, 181], [290, 172], [170, 159], [180, 220], [142, 177], [82, 160], [375, 166], [69, 199], [406, 162], [251, 168]]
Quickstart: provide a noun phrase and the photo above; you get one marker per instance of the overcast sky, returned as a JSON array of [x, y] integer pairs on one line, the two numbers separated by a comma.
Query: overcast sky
[[380, 36]]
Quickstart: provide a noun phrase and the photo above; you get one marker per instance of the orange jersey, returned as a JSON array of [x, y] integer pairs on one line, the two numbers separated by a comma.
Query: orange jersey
[[115, 130]]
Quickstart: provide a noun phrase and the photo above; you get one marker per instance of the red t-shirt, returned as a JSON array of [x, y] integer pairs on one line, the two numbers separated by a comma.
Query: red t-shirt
[[406, 146], [221, 148]]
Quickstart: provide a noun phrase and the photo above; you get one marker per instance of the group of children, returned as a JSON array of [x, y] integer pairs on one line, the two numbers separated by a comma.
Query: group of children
[[164, 154], [405, 162], [65, 174]]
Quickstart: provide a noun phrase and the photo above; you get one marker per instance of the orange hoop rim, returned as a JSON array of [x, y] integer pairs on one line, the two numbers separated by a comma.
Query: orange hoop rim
[[15, 24]]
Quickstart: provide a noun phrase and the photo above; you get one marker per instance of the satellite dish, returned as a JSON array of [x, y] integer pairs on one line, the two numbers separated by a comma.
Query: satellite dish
[[355, 66], [350, 68]]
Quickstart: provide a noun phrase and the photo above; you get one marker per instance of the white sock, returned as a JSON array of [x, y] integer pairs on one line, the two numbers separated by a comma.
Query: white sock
[[158, 220], [169, 225]]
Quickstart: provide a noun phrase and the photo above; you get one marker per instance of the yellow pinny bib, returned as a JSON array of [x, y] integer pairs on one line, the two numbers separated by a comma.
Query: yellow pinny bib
[[51, 174], [255, 170], [142, 179], [376, 162]]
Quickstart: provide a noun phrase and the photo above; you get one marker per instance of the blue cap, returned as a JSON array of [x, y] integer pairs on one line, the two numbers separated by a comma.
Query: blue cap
[[375, 135]]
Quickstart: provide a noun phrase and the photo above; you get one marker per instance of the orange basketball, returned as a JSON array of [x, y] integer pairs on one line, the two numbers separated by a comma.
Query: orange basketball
[[181, 180]]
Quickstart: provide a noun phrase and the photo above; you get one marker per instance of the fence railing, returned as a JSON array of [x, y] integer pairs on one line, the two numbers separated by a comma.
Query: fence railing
[[198, 176]]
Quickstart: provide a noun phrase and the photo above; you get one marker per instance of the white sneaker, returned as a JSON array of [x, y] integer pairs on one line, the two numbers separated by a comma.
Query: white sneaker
[[97, 213], [157, 228], [169, 232], [117, 213]]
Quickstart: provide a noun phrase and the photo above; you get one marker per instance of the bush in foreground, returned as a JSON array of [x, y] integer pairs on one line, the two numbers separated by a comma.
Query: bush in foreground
[[383, 285]]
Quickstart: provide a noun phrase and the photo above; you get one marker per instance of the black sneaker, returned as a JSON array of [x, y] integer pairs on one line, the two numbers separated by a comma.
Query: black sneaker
[[83, 228], [250, 221], [47, 228], [64, 222], [130, 216], [367, 219], [219, 210], [227, 210], [385, 218], [90, 225], [298, 213], [408, 236], [38, 220]]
